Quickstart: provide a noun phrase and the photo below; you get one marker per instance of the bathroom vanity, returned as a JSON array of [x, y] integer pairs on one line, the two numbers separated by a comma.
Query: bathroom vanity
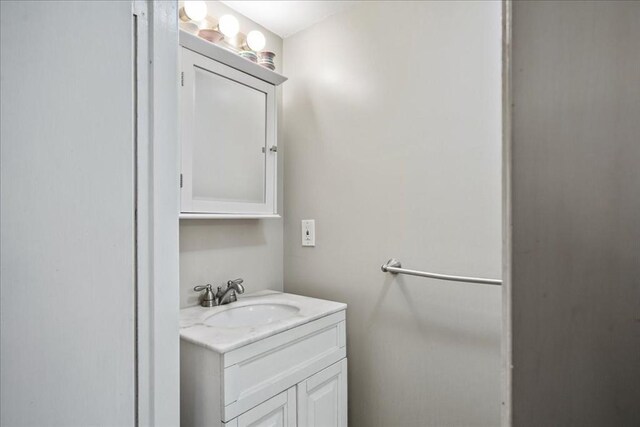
[[269, 359]]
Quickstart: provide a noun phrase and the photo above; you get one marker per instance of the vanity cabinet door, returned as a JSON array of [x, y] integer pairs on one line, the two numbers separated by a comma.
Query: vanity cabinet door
[[279, 411], [228, 139], [322, 398]]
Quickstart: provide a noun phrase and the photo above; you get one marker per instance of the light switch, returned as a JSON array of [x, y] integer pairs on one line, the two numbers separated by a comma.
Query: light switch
[[308, 232]]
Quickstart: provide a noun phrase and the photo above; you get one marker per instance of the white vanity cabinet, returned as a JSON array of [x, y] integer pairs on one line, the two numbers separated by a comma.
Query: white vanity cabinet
[[289, 373], [318, 401], [228, 133], [279, 411], [322, 397]]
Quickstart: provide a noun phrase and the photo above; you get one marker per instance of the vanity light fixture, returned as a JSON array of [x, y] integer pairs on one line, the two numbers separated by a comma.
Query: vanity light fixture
[[193, 11], [256, 40], [229, 26]]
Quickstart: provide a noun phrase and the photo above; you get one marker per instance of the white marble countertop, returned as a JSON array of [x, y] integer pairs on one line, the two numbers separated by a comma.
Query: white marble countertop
[[222, 339]]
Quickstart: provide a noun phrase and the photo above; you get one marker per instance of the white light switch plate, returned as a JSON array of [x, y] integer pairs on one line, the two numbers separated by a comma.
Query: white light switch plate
[[308, 232]]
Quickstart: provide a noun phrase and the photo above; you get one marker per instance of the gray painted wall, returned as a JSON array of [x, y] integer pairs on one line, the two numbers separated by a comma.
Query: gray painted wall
[[576, 213], [393, 124], [214, 251], [67, 286]]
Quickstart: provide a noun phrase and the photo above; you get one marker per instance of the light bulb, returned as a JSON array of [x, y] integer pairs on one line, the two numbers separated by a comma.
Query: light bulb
[[195, 10], [229, 26], [256, 40]]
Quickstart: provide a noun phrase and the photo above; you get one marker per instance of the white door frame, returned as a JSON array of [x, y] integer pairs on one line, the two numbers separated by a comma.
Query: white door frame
[[157, 203], [157, 199], [506, 349]]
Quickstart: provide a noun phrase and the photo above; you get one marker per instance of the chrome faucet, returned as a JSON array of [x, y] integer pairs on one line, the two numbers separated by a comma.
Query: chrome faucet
[[229, 295], [209, 299]]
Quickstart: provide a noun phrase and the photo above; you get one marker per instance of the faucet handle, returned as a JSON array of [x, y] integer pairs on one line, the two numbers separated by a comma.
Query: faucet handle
[[235, 282], [236, 287], [208, 299]]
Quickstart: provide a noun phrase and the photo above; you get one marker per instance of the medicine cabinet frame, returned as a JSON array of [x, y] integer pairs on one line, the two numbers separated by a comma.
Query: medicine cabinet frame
[[202, 55]]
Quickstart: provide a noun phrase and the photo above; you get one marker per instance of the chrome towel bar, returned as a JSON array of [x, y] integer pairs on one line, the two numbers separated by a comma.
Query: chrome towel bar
[[395, 267]]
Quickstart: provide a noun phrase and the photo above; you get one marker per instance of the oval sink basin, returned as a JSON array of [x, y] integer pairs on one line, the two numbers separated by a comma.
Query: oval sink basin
[[251, 315]]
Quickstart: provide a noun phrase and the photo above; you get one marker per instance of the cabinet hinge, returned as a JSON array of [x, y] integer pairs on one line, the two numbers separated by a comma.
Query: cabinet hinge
[[180, 180], [182, 78]]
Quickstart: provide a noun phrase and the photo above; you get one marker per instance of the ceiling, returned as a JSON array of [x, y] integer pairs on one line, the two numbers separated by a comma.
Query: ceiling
[[286, 18]]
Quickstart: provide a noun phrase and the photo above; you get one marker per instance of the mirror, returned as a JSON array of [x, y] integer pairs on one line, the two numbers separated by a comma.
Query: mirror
[[229, 139]]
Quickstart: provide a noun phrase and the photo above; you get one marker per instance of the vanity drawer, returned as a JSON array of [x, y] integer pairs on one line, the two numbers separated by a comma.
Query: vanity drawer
[[257, 371]]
